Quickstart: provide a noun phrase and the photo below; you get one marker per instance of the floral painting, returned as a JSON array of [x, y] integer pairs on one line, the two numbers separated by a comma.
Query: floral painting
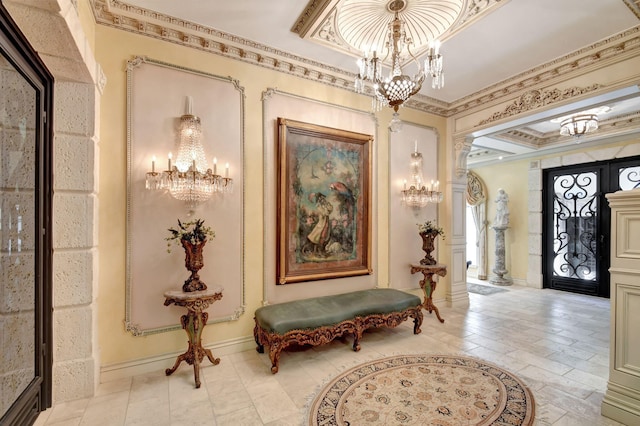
[[324, 222]]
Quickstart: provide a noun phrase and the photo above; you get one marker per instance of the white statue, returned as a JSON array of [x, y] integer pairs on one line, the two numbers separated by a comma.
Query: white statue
[[502, 209]]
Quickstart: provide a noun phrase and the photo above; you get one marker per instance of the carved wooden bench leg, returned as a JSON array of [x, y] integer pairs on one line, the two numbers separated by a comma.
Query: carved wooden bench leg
[[357, 335], [417, 321], [274, 354], [257, 335]]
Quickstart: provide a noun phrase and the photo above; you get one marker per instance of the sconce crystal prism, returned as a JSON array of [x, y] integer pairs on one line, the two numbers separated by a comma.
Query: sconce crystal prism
[[189, 179], [419, 194]]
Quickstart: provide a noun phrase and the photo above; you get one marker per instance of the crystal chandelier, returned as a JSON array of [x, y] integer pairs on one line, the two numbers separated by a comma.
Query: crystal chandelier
[[419, 194], [395, 89], [189, 179], [578, 125]]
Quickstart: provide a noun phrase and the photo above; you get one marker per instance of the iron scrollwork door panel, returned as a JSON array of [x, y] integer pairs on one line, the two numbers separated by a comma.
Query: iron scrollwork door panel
[[629, 177], [577, 222], [574, 230], [575, 208]]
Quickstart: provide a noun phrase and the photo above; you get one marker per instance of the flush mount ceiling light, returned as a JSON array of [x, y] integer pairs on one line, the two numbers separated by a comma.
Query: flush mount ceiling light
[[581, 123], [578, 125]]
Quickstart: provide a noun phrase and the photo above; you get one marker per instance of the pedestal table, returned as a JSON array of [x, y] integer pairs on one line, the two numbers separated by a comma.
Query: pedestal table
[[193, 323], [428, 284]]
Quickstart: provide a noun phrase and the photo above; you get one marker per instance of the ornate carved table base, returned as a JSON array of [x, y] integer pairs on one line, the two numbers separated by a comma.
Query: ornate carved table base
[[428, 285], [193, 323]]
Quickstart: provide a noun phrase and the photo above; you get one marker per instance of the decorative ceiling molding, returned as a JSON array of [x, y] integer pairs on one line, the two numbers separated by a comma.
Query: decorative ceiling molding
[[534, 99], [530, 138], [616, 47], [311, 14], [117, 14], [353, 26], [634, 5], [523, 137]]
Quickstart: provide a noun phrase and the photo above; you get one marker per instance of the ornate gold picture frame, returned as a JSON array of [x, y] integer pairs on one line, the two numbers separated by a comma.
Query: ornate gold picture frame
[[324, 203]]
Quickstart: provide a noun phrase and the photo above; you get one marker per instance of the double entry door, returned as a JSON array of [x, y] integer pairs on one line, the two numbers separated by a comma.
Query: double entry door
[[577, 223]]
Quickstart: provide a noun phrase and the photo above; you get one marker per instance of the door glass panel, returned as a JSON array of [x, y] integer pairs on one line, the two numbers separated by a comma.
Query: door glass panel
[[629, 178], [17, 234], [575, 205]]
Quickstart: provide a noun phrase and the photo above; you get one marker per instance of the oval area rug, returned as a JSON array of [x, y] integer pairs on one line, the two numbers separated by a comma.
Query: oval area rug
[[442, 390]]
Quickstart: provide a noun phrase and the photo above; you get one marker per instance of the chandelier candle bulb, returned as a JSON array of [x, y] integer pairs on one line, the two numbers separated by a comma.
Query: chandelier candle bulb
[[169, 162], [153, 164], [215, 165], [189, 105], [226, 170]]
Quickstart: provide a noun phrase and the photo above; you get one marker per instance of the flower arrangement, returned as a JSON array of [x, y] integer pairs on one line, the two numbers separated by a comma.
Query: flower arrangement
[[430, 227], [193, 231]]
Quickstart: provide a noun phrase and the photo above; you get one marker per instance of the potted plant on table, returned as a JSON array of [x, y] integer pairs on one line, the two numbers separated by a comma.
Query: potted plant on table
[[192, 236], [428, 231]]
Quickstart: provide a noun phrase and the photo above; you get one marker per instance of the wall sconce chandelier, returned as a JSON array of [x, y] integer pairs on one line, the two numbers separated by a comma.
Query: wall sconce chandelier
[[189, 179], [418, 194], [578, 125], [398, 87]]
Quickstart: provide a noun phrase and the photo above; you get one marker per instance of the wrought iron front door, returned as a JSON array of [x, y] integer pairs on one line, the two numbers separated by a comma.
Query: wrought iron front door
[[577, 223]]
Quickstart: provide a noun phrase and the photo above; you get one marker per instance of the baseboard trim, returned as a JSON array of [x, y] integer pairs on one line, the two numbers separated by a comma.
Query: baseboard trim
[[126, 369]]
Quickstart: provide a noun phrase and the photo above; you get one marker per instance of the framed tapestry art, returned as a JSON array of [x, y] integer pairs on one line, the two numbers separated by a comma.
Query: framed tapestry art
[[324, 203]]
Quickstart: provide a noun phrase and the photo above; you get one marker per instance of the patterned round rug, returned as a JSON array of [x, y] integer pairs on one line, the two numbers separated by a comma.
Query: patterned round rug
[[442, 390]]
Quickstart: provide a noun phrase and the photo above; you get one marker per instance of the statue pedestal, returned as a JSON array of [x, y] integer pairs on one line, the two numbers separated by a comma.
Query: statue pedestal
[[499, 269]]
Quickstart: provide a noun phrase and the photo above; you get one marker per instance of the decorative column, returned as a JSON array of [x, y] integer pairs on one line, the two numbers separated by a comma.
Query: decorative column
[[500, 269], [500, 225]]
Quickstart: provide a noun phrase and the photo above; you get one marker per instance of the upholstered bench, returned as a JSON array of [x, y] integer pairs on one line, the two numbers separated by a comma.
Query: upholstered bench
[[319, 320]]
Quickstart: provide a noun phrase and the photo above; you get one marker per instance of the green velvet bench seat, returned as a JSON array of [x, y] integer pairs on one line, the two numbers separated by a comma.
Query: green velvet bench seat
[[319, 320]]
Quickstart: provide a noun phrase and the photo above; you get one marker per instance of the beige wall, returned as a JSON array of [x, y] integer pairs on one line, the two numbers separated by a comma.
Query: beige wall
[[513, 178], [113, 49]]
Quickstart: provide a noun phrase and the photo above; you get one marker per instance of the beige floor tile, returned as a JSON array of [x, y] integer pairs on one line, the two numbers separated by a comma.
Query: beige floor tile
[[557, 343]]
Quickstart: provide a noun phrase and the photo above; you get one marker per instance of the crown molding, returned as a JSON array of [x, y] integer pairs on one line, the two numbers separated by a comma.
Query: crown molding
[[598, 55], [117, 14]]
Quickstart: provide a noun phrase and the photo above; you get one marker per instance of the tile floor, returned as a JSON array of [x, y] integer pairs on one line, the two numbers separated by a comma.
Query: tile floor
[[556, 342]]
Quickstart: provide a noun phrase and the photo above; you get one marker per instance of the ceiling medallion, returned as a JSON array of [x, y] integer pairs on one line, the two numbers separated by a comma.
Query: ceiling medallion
[[395, 42], [363, 24]]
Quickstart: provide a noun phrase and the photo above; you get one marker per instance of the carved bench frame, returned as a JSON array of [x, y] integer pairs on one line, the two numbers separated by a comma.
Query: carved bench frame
[[325, 334]]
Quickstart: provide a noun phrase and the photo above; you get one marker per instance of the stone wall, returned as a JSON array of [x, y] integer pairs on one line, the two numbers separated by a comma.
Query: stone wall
[[53, 28]]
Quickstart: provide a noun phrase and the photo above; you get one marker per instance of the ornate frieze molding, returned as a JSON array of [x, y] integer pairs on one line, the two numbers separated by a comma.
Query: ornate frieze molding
[[534, 99]]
